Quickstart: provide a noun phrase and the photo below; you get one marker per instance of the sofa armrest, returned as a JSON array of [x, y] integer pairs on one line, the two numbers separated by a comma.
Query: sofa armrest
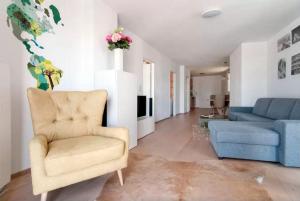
[[289, 148], [118, 133], [232, 110], [38, 150]]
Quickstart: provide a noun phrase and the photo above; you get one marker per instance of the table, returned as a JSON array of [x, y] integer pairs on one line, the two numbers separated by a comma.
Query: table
[[203, 120]]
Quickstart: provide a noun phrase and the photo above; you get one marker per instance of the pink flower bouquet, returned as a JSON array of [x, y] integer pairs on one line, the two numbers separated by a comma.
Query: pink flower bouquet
[[118, 40]]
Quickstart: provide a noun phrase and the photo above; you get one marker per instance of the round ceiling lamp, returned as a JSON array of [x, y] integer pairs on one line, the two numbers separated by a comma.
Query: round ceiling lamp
[[211, 13]]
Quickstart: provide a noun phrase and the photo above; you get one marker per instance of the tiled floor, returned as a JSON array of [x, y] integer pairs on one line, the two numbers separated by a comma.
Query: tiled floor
[[173, 140]]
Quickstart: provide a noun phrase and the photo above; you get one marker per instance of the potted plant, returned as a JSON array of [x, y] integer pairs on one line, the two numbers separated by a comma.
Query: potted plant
[[117, 42]]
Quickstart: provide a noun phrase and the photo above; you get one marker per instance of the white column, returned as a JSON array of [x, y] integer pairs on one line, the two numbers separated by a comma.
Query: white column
[[248, 73]]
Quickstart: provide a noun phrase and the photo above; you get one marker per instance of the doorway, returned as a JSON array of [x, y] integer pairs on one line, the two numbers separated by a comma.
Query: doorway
[[148, 87], [146, 123], [173, 111]]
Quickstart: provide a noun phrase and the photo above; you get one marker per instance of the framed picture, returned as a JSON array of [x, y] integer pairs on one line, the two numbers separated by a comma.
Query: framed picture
[[284, 42], [296, 64], [282, 69], [296, 35]]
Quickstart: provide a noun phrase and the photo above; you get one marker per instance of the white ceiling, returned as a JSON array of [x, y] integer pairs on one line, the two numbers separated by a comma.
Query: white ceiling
[[176, 28], [209, 70]]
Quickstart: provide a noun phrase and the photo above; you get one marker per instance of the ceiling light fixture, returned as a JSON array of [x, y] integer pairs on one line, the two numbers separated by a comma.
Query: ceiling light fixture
[[211, 13]]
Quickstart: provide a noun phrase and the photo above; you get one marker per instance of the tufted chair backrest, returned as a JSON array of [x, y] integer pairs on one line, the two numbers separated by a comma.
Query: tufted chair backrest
[[61, 115]]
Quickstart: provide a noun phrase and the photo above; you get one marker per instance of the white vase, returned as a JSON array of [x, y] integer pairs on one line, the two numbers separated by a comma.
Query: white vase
[[118, 59]]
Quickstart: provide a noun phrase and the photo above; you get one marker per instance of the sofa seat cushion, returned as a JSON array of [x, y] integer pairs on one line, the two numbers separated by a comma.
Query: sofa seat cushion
[[74, 154], [250, 117], [253, 133]]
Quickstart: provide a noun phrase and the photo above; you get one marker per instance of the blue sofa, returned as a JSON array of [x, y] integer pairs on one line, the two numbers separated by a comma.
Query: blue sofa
[[269, 131]]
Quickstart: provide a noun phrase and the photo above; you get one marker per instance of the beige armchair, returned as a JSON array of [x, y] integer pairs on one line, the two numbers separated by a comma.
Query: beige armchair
[[70, 145]]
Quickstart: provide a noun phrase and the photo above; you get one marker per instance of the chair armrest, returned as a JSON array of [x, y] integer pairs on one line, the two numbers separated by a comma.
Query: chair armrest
[[118, 133], [289, 148], [38, 150], [241, 109]]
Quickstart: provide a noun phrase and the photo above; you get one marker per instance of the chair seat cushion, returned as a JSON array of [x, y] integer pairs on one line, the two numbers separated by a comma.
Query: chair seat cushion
[[74, 154], [253, 133], [250, 117]]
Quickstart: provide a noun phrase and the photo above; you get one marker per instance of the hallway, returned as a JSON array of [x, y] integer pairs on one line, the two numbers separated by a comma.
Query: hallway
[[174, 140]]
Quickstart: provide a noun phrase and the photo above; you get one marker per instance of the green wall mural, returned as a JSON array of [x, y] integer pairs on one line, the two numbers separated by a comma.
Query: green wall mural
[[35, 19]]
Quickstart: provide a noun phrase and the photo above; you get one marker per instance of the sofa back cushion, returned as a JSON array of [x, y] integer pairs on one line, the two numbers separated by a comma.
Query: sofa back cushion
[[261, 107], [280, 108], [61, 115], [295, 114]]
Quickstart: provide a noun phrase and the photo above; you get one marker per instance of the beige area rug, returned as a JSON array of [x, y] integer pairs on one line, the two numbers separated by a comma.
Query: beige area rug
[[151, 178]]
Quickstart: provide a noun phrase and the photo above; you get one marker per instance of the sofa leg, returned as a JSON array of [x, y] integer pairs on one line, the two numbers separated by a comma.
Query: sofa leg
[[120, 177], [44, 196], [221, 158]]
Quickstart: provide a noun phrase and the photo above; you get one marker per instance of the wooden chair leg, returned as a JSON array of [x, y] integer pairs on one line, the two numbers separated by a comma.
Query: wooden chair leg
[[44, 197], [120, 177]]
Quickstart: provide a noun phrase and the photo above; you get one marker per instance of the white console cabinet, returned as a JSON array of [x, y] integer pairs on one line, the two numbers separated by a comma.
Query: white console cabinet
[[122, 99], [146, 126]]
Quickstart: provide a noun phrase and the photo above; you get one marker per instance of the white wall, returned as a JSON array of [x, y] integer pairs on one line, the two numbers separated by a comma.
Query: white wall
[[78, 49], [288, 87], [5, 125], [236, 77], [254, 72], [133, 62], [205, 86], [248, 68], [225, 83]]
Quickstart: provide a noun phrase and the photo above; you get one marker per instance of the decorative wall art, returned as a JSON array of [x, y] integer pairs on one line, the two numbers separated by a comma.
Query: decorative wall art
[[35, 18], [284, 42], [296, 64], [282, 69], [296, 35]]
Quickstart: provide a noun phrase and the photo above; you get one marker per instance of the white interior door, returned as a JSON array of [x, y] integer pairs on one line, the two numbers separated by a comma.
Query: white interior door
[[147, 84], [5, 130]]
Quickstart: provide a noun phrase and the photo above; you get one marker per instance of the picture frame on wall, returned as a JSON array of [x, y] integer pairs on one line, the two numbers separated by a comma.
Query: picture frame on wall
[[282, 69], [296, 35], [284, 42], [295, 70]]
